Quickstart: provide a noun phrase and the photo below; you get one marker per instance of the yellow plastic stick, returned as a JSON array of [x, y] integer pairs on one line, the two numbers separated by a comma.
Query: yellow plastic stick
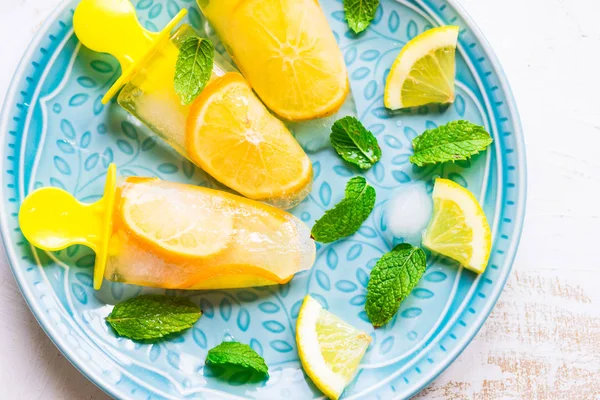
[[52, 219], [111, 26]]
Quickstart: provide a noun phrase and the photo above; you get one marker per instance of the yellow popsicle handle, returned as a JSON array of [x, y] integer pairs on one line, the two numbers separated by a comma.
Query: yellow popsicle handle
[[111, 26], [52, 219]]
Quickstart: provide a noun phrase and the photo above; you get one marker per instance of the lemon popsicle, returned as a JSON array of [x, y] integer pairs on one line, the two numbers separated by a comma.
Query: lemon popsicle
[[150, 94], [286, 50], [148, 61], [155, 233]]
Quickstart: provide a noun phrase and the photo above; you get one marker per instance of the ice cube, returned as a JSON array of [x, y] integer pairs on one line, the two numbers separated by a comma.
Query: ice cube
[[407, 213]]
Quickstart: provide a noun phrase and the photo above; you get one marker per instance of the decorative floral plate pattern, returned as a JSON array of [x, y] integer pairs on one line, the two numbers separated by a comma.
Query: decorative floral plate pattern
[[57, 133]]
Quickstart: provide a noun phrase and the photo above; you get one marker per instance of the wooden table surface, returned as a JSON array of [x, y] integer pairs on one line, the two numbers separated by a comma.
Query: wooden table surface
[[542, 341]]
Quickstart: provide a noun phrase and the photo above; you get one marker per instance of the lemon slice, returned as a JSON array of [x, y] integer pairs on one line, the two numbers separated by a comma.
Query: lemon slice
[[458, 228], [330, 349], [424, 70], [168, 227], [233, 137], [288, 53]]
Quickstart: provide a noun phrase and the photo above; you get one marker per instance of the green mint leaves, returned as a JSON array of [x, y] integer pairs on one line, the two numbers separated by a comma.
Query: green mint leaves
[[360, 13], [347, 216], [153, 316], [392, 279], [454, 141], [234, 353], [193, 68], [156, 316], [354, 143]]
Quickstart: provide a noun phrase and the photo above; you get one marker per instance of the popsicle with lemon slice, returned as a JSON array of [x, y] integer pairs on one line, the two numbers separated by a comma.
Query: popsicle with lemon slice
[[286, 50], [226, 130], [150, 232]]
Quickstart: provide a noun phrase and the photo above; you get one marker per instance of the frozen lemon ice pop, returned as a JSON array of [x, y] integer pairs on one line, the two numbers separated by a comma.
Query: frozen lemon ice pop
[[286, 50], [155, 233], [259, 146]]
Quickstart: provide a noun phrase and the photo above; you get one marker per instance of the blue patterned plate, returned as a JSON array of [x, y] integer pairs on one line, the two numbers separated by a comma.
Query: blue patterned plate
[[57, 133]]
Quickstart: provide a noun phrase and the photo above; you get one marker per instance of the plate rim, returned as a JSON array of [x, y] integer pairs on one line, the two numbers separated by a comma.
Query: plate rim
[[10, 98], [462, 343], [511, 254]]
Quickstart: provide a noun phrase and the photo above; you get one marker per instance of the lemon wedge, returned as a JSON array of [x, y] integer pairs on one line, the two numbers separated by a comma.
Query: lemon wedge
[[459, 228], [424, 70], [330, 349]]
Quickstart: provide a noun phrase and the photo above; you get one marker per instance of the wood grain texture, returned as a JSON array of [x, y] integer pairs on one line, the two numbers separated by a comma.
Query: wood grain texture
[[542, 341]]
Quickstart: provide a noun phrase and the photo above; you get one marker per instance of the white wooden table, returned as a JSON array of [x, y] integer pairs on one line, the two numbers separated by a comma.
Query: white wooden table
[[542, 340]]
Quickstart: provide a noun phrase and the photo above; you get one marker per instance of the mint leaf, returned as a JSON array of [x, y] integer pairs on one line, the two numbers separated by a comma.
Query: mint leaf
[[153, 316], [454, 141], [360, 13], [193, 68], [392, 279], [347, 216], [237, 354], [354, 143]]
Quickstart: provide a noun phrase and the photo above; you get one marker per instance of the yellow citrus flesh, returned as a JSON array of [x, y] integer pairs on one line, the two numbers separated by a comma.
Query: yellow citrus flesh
[[459, 228], [289, 55], [424, 70], [172, 227], [330, 349], [233, 137]]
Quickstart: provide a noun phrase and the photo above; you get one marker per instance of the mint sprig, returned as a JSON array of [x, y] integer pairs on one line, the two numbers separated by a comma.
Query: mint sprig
[[354, 143], [457, 140], [153, 316], [392, 279], [193, 68], [348, 215], [240, 354], [360, 13]]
